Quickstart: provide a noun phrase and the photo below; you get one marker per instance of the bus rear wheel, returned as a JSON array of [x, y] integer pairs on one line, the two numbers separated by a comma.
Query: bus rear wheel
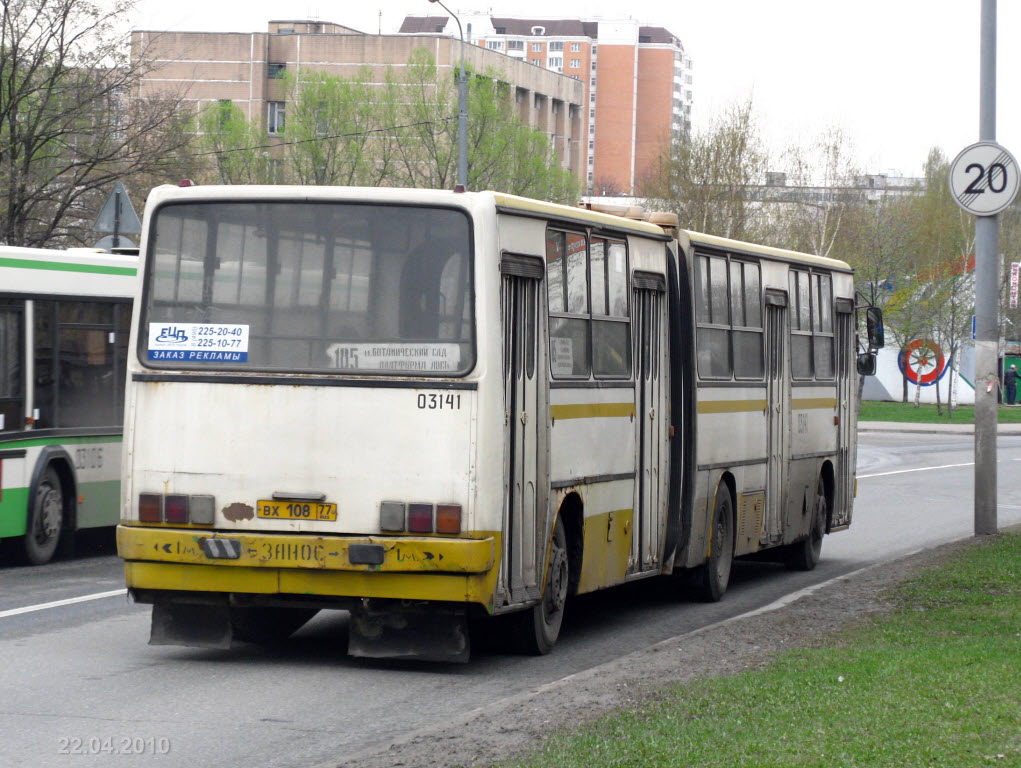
[[539, 626], [45, 520], [804, 555], [713, 576]]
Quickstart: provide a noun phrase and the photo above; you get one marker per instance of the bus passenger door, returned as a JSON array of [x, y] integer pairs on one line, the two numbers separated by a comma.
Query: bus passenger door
[[526, 524], [846, 426], [778, 402], [649, 416]]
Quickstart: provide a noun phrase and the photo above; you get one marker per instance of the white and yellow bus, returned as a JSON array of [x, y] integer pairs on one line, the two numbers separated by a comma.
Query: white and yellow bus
[[64, 320], [422, 405]]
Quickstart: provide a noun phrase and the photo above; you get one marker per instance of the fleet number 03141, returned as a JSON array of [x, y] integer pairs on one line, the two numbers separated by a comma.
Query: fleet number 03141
[[439, 402]]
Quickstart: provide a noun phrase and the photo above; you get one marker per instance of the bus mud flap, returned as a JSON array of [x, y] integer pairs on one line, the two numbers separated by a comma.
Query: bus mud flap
[[192, 624], [397, 630]]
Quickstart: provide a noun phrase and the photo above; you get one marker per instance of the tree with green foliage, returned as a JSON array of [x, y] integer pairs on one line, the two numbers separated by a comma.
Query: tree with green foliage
[[235, 144], [944, 237], [331, 130], [402, 133]]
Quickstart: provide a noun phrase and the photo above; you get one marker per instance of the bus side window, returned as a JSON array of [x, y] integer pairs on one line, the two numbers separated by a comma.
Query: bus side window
[[712, 317], [611, 337], [822, 325], [567, 286], [12, 410], [746, 303], [801, 325]]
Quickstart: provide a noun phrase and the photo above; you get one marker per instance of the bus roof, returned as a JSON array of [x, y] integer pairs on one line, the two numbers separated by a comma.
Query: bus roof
[[77, 272], [556, 210], [504, 202], [737, 246]]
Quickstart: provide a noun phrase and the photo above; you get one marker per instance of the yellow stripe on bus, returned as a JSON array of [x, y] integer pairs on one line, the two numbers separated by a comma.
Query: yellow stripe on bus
[[812, 403], [746, 406], [730, 406], [593, 410]]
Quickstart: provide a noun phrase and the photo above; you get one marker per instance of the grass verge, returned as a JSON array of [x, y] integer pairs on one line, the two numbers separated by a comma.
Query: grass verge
[[926, 413], [936, 682]]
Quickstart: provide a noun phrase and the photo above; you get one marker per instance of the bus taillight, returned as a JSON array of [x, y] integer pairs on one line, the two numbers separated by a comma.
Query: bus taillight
[[150, 507], [420, 518], [198, 509], [448, 518], [175, 509]]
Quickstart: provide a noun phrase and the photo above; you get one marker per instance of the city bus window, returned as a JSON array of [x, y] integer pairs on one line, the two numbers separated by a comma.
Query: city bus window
[[311, 287], [611, 336], [86, 381], [12, 334], [749, 361], [597, 258], [713, 318], [577, 277], [567, 291], [822, 325], [801, 325]]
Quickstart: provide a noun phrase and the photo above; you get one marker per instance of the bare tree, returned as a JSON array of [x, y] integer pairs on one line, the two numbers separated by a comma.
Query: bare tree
[[705, 178], [69, 124], [813, 225]]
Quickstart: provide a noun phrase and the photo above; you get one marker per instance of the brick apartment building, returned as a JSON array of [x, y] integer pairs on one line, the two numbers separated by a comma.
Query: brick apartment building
[[637, 80], [247, 67]]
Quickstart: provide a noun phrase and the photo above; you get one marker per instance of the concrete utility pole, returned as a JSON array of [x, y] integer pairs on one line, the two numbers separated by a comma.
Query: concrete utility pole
[[462, 109], [987, 299]]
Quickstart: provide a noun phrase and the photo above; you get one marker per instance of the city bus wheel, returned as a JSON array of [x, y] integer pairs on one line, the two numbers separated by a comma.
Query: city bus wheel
[[45, 520], [804, 555], [713, 576], [267, 625], [539, 626]]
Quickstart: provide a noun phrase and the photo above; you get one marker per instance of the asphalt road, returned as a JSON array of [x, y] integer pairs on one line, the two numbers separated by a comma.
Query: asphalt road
[[78, 681]]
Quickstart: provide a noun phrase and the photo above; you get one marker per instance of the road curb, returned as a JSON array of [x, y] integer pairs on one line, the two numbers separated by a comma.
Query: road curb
[[933, 429]]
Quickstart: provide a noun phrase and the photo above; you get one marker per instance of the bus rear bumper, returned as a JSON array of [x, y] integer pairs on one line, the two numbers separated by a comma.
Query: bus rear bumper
[[404, 568]]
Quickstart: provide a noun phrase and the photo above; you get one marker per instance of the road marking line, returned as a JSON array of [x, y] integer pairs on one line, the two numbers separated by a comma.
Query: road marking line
[[58, 603], [917, 469]]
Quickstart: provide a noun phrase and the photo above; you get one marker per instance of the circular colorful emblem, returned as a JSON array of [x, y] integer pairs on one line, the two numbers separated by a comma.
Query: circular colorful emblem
[[922, 362]]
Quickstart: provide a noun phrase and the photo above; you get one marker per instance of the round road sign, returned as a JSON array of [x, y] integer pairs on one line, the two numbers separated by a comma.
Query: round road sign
[[922, 362], [984, 178]]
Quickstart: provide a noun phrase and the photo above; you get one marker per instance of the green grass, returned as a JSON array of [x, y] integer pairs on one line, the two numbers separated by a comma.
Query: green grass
[[926, 413], [937, 682]]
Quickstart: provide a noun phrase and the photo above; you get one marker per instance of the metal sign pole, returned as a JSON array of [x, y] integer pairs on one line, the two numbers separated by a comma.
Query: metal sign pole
[[987, 299]]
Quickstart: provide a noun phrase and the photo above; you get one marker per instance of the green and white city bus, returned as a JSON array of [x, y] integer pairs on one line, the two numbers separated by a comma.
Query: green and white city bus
[[64, 322]]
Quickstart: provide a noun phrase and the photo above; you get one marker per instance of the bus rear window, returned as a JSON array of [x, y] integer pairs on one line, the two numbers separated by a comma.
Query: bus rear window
[[309, 287]]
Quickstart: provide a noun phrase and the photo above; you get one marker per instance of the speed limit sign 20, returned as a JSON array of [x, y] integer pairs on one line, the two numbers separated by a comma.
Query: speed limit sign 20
[[984, 178]]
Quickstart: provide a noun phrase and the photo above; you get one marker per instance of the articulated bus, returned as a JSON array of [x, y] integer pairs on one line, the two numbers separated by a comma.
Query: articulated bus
[[426, 406], [64, 323]]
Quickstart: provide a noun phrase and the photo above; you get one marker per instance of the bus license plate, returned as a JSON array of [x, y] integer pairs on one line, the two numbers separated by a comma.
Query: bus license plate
[[296, 510]]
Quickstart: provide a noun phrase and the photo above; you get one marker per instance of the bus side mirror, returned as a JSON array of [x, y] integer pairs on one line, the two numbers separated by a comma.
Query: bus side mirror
[[874, 324], [866, 364]]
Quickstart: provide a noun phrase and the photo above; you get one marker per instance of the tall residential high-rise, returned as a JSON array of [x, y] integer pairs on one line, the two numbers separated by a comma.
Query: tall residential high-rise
[[638, 83]]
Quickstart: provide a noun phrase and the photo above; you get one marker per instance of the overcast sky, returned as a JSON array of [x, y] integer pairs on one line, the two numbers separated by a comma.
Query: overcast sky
[[899, 76]]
